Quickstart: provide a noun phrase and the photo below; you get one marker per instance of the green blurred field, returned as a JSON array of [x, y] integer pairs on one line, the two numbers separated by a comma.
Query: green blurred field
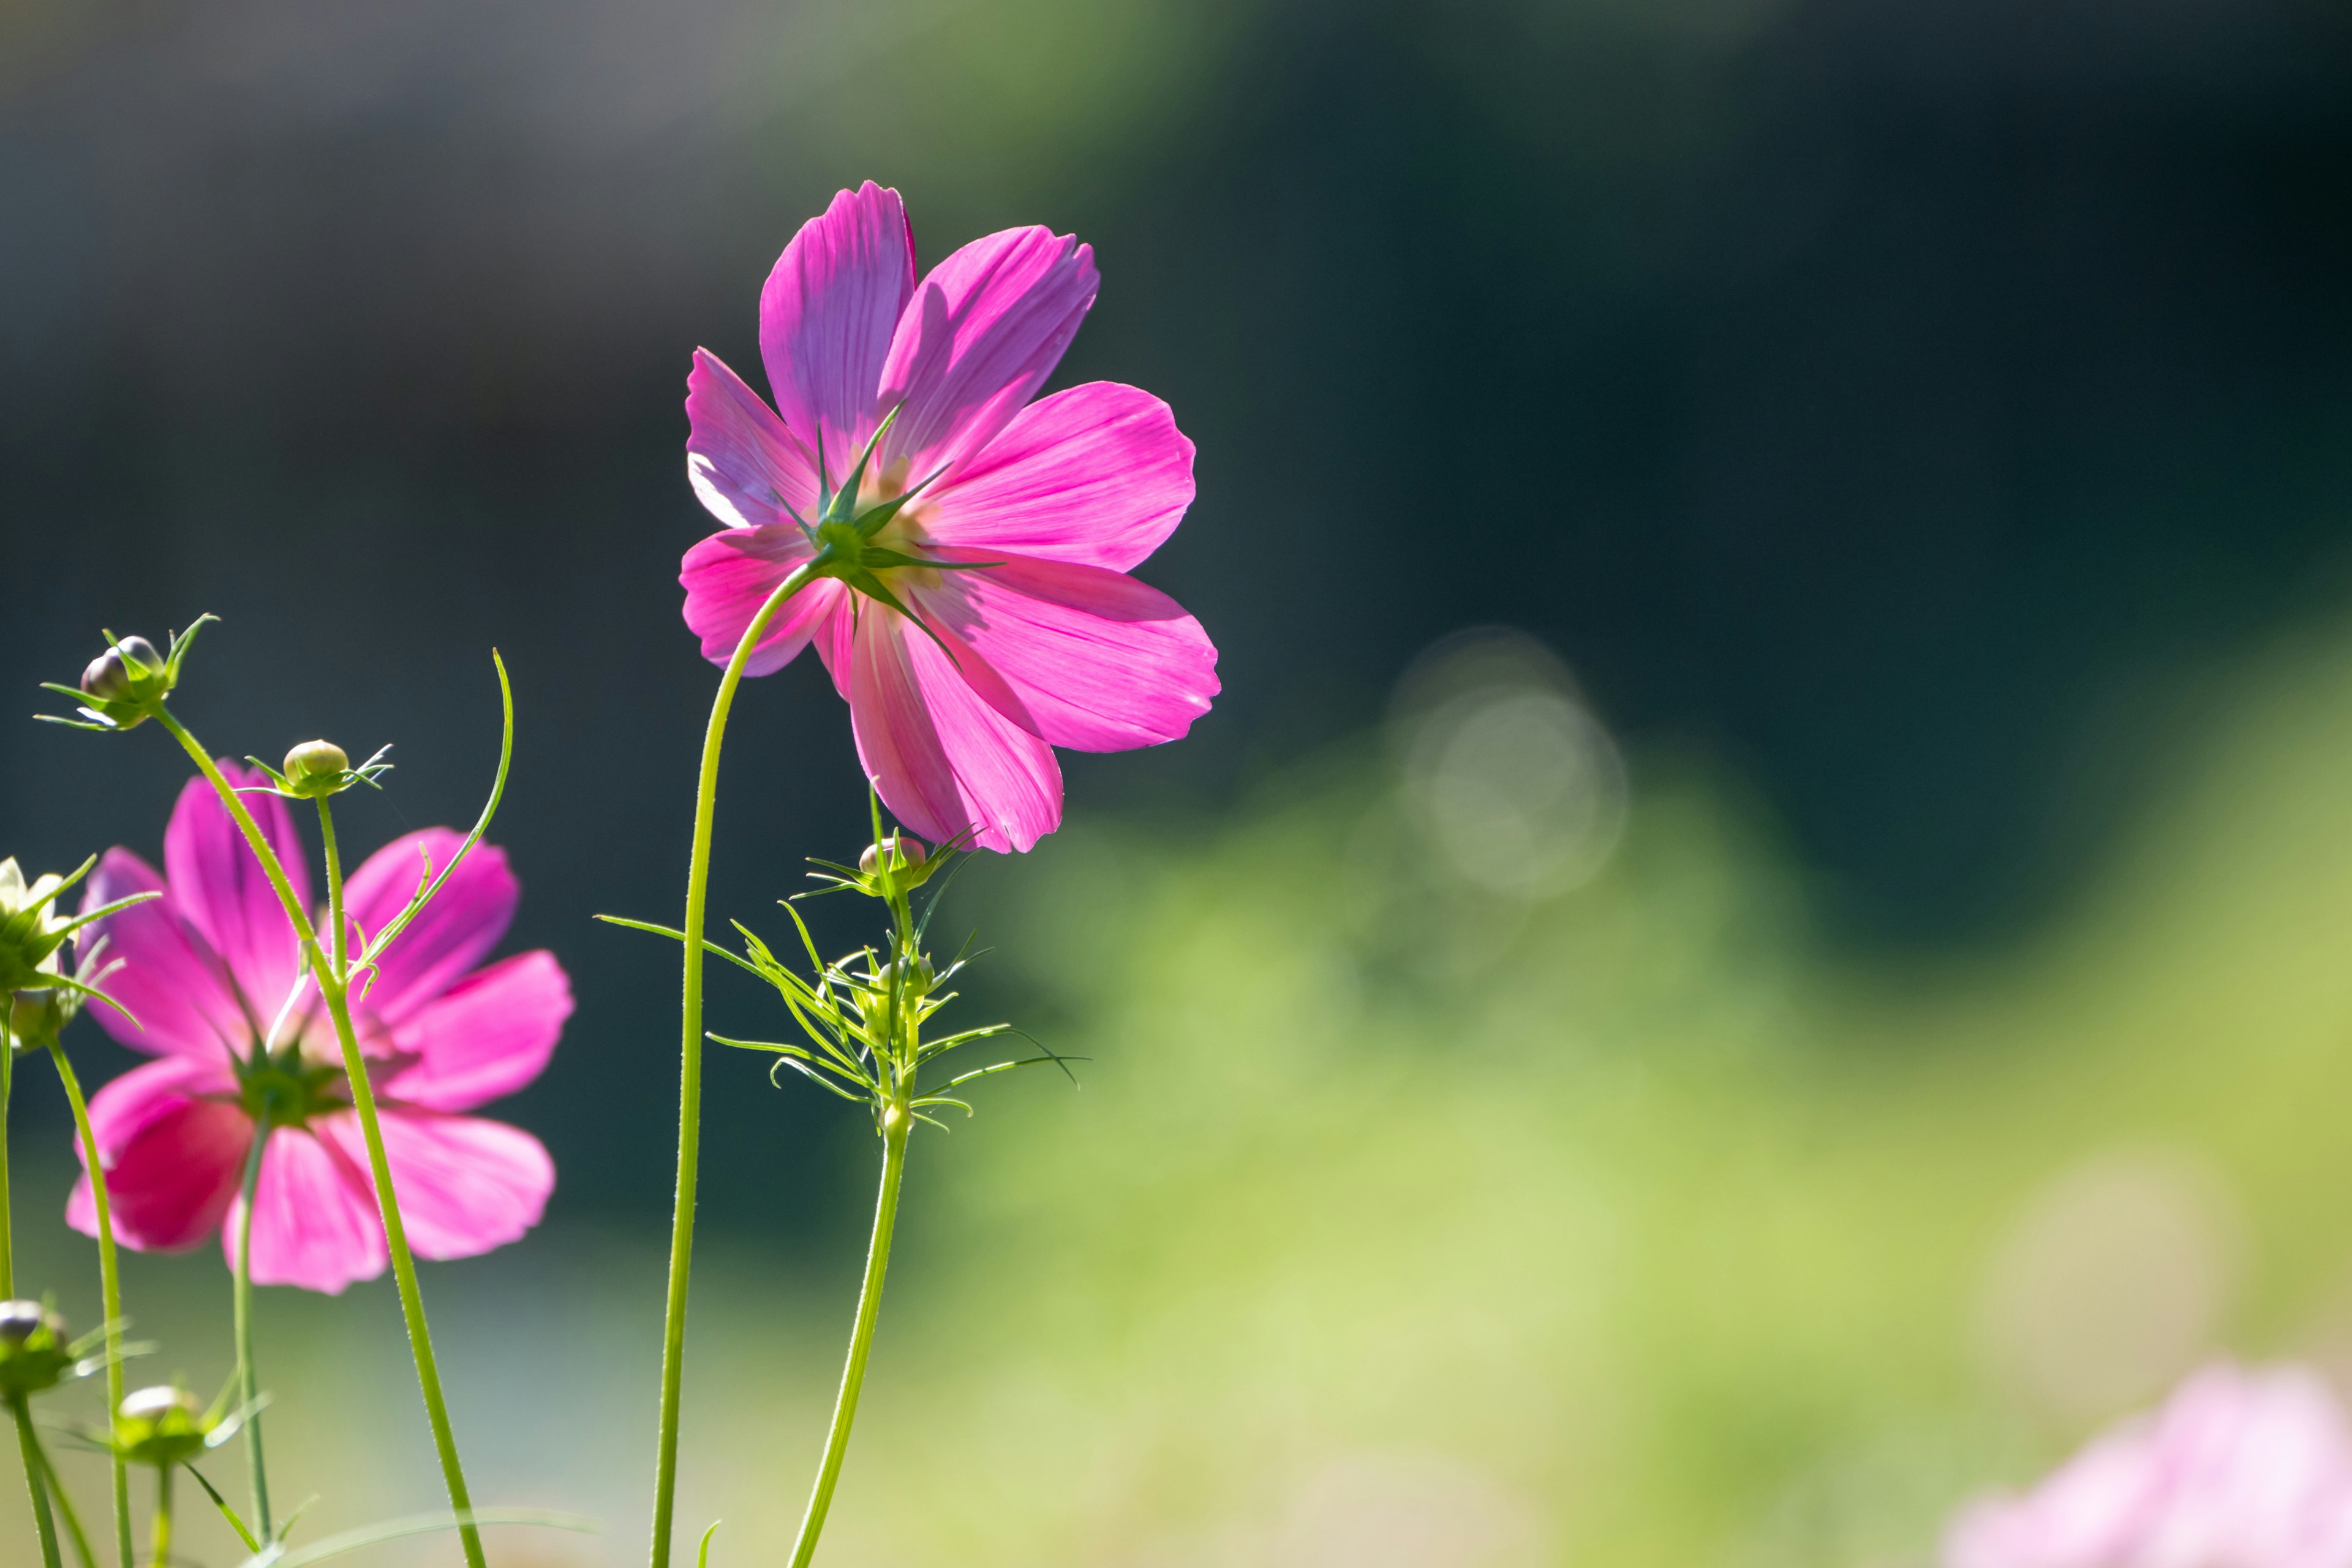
[[1403, 1222]]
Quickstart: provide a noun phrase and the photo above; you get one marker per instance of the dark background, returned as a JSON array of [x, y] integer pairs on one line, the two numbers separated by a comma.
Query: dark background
[[1901, 403]]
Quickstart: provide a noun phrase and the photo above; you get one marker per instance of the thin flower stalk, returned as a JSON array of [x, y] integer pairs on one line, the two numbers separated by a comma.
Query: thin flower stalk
[[332, 979], [689, 1082], [28, 1443]]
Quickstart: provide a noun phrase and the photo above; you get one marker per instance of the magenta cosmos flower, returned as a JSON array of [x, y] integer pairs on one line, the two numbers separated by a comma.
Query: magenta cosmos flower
[[208, 968], [1042, 640], [2240, 1470]]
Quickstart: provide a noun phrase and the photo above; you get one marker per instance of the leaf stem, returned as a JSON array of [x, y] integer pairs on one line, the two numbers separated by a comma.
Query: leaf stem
[[897, 1124], [249, 1376], [110, 1279], [689, 1076]]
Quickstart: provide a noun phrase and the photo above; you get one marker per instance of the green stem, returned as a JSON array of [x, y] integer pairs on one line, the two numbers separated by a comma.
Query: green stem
[[249, 1377], [404, 1265], [110, 1279], [29, 1445], [330, 990], [897, 1125], [689, 1071], [163, 1515]]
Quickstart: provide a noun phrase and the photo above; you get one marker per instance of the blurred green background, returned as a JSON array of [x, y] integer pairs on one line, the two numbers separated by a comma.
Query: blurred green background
[[1837, 989]]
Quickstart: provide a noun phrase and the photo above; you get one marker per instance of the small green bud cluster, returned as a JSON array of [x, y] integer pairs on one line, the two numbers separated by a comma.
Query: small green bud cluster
[[125, 685], [33, 1352], [893, 865], [164, 1426]]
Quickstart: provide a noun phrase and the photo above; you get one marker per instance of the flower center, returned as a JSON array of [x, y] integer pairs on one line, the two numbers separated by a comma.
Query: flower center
[[283, 1090]]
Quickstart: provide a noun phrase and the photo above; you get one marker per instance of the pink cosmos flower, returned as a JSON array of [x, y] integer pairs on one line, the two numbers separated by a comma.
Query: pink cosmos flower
[[1043, 640], [2240, 1470], [209, 970]]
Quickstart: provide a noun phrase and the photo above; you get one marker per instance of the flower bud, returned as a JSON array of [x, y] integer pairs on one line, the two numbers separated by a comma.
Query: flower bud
[[111, 674], [316, 760], [33, 1351], [897, 854], [164, 1426]]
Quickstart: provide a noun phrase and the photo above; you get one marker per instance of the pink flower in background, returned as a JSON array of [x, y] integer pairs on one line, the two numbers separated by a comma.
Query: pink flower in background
[[208, 969], [2240, 1470], [1052, 644]]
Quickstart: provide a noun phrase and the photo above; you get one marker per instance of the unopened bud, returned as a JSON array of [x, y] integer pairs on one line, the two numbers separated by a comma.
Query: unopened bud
[[905, 853], [111, 674], [316, 760], [20, 1320], [33, 1351], [162, 1427]]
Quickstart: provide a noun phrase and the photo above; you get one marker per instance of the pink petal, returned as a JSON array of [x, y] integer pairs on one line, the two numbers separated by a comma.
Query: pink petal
[[450, 936], [171, 983], [730, 576], [173, 1162], [466, 1184], [827, 314], [314, 1219], [1096, 661], [739, 457], [1097, 474], [488, 1037], [219, 887], [945, 761], [985, 330]]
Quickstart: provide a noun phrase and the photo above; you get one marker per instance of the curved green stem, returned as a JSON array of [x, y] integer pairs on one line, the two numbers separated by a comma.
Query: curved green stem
[[897, 1124], [248, 1377], [689, 1072], [110, 1279], [29, 1445], [331, 990], [64, 1499]]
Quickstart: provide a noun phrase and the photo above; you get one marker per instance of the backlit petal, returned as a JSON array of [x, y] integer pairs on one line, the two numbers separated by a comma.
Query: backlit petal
[[1096, 661], [730, 576], [173, 1162], [170, 981], [1097, 474], [827, 314], [466, 1184], [945, 761], [314, 1219], [741, 459], [983, 331], [450, 936], [488, 1037], [219, 887]]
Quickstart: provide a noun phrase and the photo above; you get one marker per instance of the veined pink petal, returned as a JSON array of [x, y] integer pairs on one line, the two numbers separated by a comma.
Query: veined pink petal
[[739, 459], [173, 1162], [1097, 474], [179, 991], [486, 1036], [945, 761], [314, 1219], [1098, 661], [983, 331], [449, 936], [466, 1184], [827, 314], [730, 576], [220, 889]]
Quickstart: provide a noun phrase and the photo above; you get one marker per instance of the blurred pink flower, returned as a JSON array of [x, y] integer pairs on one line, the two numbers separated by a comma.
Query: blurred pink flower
[[1055, 645], [208, 969], [2240, 1470]]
